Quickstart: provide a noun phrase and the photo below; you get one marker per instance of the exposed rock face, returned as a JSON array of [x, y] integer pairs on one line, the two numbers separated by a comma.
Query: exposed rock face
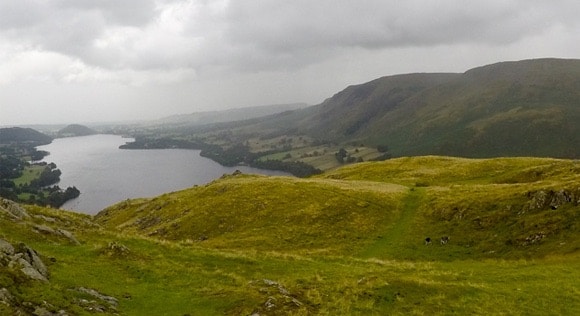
[[43, 229], [23, 258], [13, 209], [552, 199]]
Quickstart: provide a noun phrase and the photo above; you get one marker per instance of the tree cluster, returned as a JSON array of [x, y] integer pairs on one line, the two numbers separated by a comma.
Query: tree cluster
[[41, 190]]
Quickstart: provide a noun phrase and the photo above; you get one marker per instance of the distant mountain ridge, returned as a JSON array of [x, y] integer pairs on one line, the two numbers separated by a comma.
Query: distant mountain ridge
[[522, 108], [210, 117]]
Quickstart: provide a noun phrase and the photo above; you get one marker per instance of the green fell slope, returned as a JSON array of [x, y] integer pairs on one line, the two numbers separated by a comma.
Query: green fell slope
[[348, 242], [264, 213], [489, 207], [521, 108]]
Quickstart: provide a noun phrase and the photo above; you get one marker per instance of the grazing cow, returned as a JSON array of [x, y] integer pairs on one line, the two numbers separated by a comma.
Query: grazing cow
[[444, 240], [428, 241]]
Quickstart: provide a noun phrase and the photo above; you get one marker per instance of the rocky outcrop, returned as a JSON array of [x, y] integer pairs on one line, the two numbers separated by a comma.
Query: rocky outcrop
[[551, 199], [47, 230], [23, 258], [279, 299], [12, 209], [26, 308], [6, 297], [98, 302]]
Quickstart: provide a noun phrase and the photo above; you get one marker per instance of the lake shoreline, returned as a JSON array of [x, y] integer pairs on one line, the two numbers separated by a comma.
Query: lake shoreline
[[106, 175]]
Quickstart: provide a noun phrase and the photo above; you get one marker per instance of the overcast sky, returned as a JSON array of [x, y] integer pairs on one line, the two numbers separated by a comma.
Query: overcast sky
[[79, 61]]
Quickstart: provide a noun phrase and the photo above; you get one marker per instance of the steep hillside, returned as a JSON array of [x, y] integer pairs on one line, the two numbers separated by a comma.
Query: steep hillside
[[354, 110], [526, 108]]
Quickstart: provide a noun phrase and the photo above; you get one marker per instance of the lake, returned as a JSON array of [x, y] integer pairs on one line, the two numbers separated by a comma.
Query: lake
[[106, 174]]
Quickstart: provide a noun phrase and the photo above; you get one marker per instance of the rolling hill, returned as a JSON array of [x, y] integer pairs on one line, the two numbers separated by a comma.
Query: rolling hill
[[73, 130], [347, 242], [23, 135]]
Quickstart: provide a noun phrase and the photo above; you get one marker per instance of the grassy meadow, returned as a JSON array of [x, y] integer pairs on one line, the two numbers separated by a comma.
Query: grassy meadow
[[347, 242]]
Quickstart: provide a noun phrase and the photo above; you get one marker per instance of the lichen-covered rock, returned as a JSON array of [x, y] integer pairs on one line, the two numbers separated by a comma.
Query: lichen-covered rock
[[13, 209], [23, 258], [6, 248], [68, 235], [47, 230], [31, 256], [550, 199], [6, 297], [94, 293]]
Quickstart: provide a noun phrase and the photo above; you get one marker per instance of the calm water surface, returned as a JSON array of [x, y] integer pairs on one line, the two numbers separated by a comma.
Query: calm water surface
[[106, 175]]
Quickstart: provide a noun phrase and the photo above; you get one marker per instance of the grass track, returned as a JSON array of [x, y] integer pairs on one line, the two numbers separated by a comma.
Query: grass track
[[392, 243]]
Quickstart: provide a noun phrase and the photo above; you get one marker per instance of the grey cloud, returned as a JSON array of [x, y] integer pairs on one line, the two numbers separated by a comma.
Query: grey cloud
[[266, 35], [120, 12], [311, 30], [282, 25], [21, 14]]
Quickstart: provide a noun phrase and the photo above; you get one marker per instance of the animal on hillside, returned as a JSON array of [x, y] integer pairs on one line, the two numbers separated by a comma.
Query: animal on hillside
[[444, 240], [428, 241]]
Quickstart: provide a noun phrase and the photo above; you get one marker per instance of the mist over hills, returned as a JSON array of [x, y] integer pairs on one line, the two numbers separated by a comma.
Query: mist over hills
[[211, 117]]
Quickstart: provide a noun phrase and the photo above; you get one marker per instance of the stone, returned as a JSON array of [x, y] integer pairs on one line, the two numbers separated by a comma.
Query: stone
[[94, 293], [43, 229], [68, 235], [30, 271], [46, 218], [13, 209], [6, 297], [6, 248], [30, 256]]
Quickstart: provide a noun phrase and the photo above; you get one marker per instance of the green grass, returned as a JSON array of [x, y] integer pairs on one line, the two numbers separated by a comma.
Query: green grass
[[349, 242], [30, 173], [173, 279], [393, 243]]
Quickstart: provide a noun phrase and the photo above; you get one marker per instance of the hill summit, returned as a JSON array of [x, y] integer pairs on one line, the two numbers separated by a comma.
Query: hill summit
[[75, 130]]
